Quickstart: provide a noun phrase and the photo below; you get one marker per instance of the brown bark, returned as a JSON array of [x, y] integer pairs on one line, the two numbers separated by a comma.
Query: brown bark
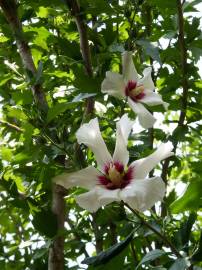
[[56, 252], [84, 47]]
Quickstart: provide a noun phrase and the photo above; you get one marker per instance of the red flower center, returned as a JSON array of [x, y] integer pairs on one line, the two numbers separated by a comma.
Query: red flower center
[[134, 91], [116, 176]]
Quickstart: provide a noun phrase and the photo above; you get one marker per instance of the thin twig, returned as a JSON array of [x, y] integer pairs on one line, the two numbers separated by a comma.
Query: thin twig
[[11, 126], [54, 143], [163, 237]]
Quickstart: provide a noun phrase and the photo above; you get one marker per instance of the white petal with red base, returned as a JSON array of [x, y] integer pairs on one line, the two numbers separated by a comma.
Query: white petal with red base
[[143, 166], [96, 198], [151, 98], [144, 193], [89, 200], [138, 90], [123, 129], [86, 178], [113, 85], [147, 79], [145, 118], [116, 182], [90, 135], [129, 70]]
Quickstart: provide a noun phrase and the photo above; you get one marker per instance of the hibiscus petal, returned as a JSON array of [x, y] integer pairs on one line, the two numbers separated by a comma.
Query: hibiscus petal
[[143, 166], [123, 129], [90, 135], [89, 201], [113, 85], [145, 118], [106, 196], [151, 98], [147, 79], [86, 178], [142, 194], [129, 70], [96, 198]]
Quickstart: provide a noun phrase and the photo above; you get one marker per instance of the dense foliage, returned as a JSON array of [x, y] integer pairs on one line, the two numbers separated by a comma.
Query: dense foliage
[[38, 139]]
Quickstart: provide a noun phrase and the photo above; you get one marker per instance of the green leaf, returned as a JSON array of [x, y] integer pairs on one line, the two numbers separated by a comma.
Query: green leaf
[[45, 222], [164, 4], [105, 256], [42, 251], [83, 96], [152, 255], [3, 39], [58, 109], [151, 49], [6, 153], [186, 227], [197, 255], [4, 79], [38, 75], [10, 186], [23, 157], [44, 12], [179, 264], [179, 134], [39, 253], [190, 200], [28, 132], [86, 84], [182, 236], [116, 262], [22, 97], [40, 35], [16, 113]]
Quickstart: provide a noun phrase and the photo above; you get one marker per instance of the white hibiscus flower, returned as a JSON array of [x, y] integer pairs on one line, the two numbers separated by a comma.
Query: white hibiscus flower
[[137, 90], [115, 180]]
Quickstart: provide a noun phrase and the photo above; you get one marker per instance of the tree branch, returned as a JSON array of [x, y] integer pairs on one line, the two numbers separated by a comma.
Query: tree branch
[[82, 29], [56, 252], [9, 8], [183, 54], [84, 46]]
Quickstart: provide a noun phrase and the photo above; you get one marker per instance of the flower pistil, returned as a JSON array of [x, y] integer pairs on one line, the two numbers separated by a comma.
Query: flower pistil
[[134, 91], [116, 176]]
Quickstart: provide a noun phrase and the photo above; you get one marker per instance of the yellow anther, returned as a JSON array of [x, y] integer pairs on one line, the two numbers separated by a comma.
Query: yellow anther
[[114, 176], [137, 90]]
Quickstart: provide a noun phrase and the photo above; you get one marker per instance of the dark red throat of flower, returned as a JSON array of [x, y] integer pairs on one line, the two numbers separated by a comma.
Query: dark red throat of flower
[[116, 176], [134, 91]]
